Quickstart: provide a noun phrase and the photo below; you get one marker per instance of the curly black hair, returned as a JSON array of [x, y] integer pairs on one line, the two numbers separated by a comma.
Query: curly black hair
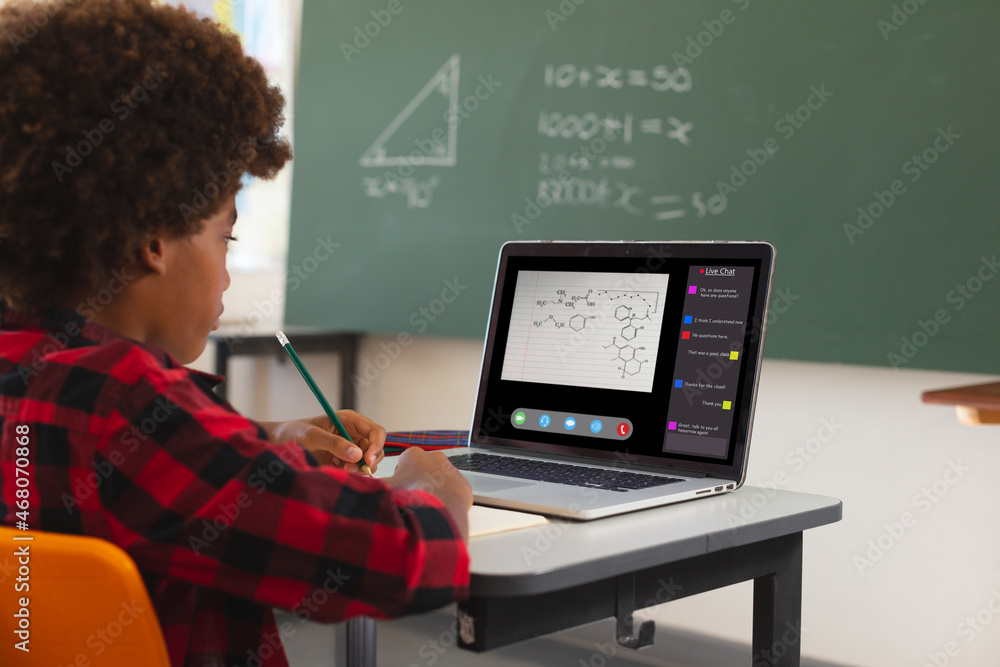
[[118, 119]]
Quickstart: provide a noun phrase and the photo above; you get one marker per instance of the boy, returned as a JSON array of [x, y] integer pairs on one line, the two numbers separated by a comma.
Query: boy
[[125, 129]]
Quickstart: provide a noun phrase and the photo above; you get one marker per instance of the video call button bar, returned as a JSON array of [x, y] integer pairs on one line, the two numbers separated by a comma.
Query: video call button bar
[[574, 423]]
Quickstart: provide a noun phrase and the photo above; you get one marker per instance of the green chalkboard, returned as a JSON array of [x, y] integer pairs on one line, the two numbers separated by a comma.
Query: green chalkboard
[[859, 137]]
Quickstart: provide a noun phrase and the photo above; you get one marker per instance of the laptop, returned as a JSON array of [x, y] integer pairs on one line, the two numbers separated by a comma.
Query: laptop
[[617, 376]]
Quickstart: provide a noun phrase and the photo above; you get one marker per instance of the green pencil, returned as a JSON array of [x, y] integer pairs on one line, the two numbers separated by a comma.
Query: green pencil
[[283, 339]]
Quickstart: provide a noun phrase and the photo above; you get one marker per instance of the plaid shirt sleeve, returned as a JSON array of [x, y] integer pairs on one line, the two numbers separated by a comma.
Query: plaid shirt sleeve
[[195, 492]]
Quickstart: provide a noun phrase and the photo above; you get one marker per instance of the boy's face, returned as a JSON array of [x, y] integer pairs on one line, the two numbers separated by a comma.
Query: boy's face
[[192, 287]]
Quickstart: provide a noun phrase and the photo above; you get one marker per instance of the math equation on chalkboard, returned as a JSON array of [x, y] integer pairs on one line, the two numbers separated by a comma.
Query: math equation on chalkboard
[[585, 158], [597, 166]]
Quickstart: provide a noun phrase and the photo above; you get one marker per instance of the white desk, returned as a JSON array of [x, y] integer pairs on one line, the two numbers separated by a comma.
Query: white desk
[[536, 581]]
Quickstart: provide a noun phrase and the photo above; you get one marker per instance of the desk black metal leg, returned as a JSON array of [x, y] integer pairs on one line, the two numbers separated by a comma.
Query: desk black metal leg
[[348, 369], [358, 648], [774, 565], [222, 366], [777, 608], [626, 632]]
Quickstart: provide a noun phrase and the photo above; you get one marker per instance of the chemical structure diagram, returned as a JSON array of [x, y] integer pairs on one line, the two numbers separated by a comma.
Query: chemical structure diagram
[[626, 351], [634, 307]]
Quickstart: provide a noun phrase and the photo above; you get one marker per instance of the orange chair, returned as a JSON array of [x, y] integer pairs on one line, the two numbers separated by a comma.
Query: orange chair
[[86, 604]]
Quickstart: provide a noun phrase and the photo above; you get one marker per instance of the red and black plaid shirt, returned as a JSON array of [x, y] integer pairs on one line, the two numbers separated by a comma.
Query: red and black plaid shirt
[[129, 446]]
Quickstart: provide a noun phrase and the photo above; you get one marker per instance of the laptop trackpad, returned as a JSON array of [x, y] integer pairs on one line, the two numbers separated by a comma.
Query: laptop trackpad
[[490, 484]]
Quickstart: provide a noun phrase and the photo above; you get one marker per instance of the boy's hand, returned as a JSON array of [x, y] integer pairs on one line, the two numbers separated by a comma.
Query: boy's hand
[[433, 472], [319, 436]]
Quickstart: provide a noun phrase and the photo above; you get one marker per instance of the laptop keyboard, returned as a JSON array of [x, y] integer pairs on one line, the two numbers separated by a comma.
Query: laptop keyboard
[[559, 473]]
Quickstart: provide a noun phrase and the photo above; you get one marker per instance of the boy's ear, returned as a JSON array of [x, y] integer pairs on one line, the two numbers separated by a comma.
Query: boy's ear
[[152, 255]]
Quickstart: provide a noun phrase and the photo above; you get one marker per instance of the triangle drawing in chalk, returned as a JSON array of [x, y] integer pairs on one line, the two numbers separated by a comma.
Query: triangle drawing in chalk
[[435, 106]]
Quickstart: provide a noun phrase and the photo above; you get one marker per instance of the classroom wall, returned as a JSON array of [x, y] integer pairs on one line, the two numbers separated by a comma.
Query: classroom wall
[[906, 574]]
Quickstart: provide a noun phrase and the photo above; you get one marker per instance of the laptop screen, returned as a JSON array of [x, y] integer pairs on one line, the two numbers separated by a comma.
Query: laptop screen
[[646, 352]]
